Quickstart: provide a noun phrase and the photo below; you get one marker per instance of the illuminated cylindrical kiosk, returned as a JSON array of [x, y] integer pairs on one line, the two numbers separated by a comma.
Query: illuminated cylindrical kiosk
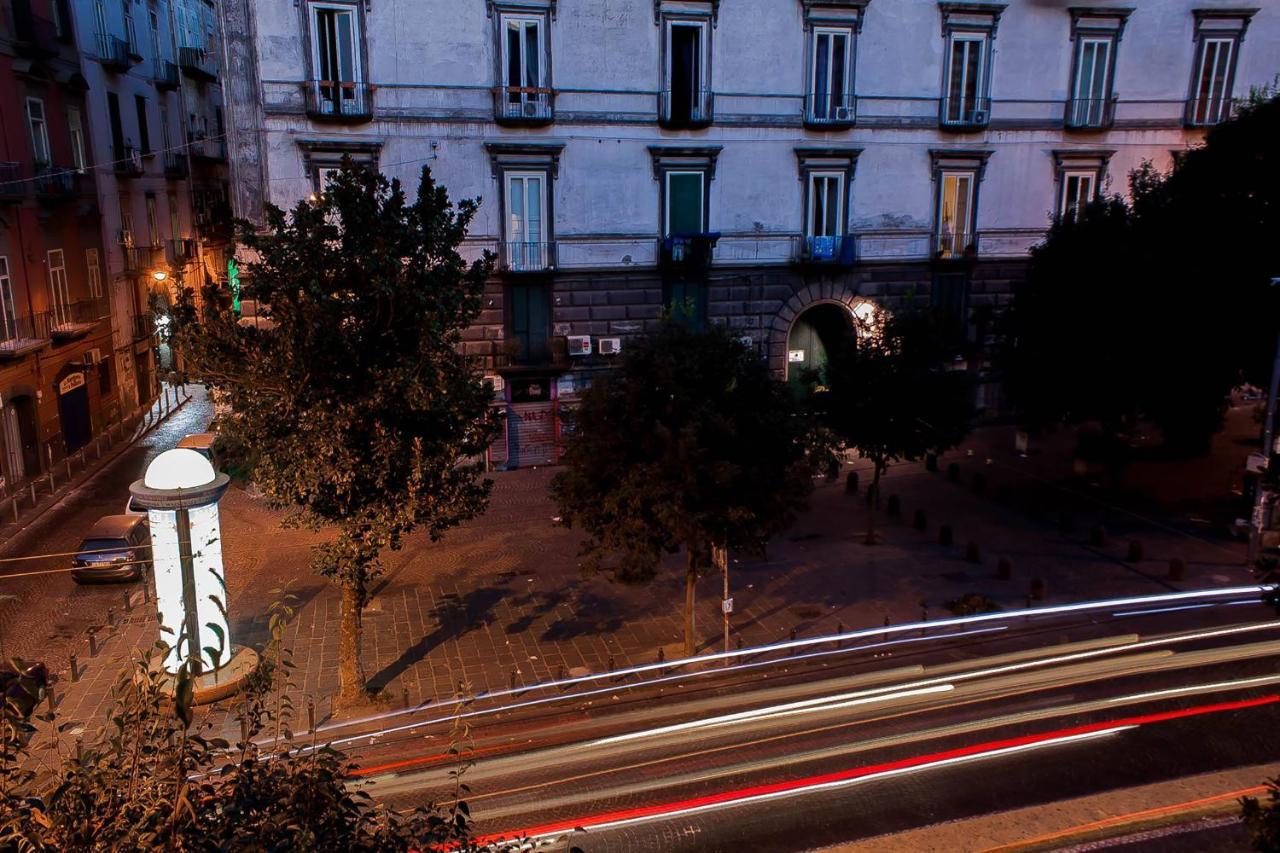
[[180, 492]]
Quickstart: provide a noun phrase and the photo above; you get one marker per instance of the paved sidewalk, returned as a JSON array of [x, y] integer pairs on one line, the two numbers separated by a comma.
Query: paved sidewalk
[[502, 599]]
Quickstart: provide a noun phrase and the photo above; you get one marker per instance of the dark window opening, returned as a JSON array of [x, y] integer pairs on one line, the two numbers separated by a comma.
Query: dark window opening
[[686, 72], [687, 303], [104, 376], [950, 298], [144, 133], [529, 318], [113, 115]]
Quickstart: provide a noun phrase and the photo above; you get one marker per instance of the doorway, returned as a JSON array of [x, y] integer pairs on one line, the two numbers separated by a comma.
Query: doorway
[[815, 333]]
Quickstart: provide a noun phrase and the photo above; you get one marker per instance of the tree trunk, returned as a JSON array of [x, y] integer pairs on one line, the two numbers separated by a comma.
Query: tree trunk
[[873, 500], [350, 673], [690, 578]]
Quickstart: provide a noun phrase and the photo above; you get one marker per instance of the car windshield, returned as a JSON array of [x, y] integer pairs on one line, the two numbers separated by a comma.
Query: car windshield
[[91, 546]]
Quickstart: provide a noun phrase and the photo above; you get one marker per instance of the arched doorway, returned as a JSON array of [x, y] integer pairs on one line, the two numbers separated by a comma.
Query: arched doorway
[[21, 443], [818, 330]]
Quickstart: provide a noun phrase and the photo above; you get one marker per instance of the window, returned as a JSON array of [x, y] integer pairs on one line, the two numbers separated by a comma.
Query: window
[[826, 205], [144, 133], [686, 300], [965, 101], [831, 76], [59, 298], [130, 31], [8, 310], [524, 68], [320, 159], [1097, 35], [949, 297], [685, 212], [154, 20], [126, 223], [827, 174], [95, 272], [76, 129], [104, 376], [117, 128], [529, 323], [955, 213], [686, 96], [175, 230], [1078, 189], [336, 59], [968, 30], [153, 221], [956, 174], [39, 132], [526, 207], [1218, 37]]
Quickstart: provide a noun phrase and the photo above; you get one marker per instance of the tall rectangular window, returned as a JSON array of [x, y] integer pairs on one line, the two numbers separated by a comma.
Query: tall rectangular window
[[153, 221], [144, 133], [175, 230], [335, 58], [117, 127], [526, 217], [685, 212], [1211, 97], [8, 309], [830, 76], [94, 269], [687, 99], [59, 297], [524, 72], [529, 319], [826, 204], [1090, 94], [130, 31], [76, 128], [955, 213], [1078, 189], [966, 90], [39, 128]]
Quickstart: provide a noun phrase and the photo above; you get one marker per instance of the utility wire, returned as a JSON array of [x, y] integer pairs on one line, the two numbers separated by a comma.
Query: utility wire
[[111, 164]]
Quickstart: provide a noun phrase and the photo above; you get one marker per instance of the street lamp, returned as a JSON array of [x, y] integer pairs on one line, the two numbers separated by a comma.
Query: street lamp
[[180, 492], [160, 275]]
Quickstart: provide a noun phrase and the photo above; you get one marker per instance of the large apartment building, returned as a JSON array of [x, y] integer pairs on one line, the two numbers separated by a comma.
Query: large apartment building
[[57, 387], [778, 166]]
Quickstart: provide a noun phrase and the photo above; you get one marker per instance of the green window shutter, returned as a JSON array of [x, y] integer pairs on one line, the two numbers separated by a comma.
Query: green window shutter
[[531, 323], [684, 204]]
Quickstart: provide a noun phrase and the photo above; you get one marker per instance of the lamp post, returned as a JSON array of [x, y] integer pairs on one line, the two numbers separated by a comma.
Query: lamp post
[[180, 492]]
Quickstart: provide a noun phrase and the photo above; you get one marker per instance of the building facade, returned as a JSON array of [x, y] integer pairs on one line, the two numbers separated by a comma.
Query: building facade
[[159, 148], [57, 385], [778, 166]]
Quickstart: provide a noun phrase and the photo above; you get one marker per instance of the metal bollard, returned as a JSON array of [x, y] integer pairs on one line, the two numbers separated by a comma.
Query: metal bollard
[[611, 663], [93, 642], [111, 617], [662, 655], [75, 669], [68, 461], [33, 493], [128, 603], [311, 715], [53, 701], [79, 749], [404, 696], [792, 650], [15, 509], [513, 679], [839, 630], [561, 673]]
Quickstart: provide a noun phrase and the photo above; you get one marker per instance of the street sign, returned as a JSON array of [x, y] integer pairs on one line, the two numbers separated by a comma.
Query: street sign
[[727, 606]]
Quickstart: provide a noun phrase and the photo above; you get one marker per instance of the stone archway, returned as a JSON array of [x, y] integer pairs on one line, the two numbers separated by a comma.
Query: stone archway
[[814, 315]]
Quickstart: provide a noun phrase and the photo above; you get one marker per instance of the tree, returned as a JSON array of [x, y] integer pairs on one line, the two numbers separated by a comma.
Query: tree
[[1263, 819], [688, 443], [891, 396], [1153, 307], [359, 410]]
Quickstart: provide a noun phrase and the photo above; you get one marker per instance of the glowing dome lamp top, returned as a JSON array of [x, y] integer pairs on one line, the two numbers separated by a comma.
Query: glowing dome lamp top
[[179, 468]]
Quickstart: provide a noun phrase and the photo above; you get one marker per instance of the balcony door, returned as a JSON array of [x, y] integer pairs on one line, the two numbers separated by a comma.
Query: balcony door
[[955, 214], [685, 70], [830, 82], [1093, 65], [526, 218], [965, 69], [59, 295], [335, 58], [522, 52], [8, 309]]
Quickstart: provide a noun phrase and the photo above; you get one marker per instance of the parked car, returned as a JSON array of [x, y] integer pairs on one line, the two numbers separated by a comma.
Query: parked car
[[200, 442], [131, 507], [114, 549]]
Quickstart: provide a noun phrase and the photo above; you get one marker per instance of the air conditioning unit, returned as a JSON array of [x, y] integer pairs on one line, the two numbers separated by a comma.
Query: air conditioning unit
[[747, 341], [92, 356], [981, 116], [579, 344], [844, 114], [610, 346]]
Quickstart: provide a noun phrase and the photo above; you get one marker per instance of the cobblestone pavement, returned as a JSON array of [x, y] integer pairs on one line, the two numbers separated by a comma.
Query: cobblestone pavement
[[502, 599]]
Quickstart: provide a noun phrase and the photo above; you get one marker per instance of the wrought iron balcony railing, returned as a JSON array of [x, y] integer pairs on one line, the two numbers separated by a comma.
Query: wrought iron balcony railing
[[828, 110], [12, 186], [520, 256], [113, 52], [835, 251], [204, 149], [56, 183], [176, 166], [127, 161], [33, 35], [75, 319], [950, 244], [687, 252], [685, 107], [1087, 113], [1206, 112], [517, 105], [965, 113], [166, 75], [339, 100], [198, 63]]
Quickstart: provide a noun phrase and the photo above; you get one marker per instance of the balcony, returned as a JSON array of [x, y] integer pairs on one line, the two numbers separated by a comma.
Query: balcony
[[56, 184], [166, 76], [34, 36], [829, 111], [113, 53], [13, 188], [215, 222], [180, 250], [198, 64], [1090, 113], [138, 260], [144, 326], [522, 257], [514, 105], [176, 167], [831, 252], [22, 335], [205, 150], [955, 245], [77, 319], [1206, 112], [687, 252], [338, 100], [964, 113], [684, 108], [127, 161], [131, 37]]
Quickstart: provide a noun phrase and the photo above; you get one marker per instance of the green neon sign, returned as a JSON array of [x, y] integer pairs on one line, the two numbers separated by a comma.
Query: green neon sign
[[233, 279]]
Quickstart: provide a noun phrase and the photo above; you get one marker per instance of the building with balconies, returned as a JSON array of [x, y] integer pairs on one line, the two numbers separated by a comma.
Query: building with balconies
[[56, 389], [771, 165], [155, 102]]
